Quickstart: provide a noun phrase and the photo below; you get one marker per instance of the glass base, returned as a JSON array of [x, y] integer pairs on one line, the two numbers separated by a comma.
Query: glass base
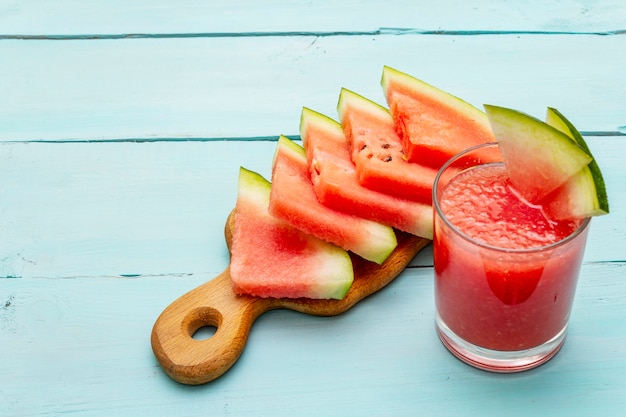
[[495, 360]]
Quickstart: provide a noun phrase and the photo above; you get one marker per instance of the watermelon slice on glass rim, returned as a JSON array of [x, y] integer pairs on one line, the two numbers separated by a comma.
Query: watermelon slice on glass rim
[[582, 195], [549, 164]]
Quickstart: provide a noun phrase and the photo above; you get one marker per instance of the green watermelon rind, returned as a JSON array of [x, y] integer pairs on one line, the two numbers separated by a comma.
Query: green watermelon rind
[[335, 273], [290, 145], [254, 186], [422, 88], [600, 204], [309, 116], [331, 127], [350, 98], [539, 158]]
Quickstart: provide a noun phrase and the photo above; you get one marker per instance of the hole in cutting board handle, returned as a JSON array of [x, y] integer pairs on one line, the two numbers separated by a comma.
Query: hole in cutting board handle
[[204, 333], [202, 323]]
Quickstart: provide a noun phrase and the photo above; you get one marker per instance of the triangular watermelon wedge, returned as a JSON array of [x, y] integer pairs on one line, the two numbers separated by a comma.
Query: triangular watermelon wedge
[[293, 200], [538, 157], [269, 258], [433, 124], [584, 194], [336, 184], [378, 153]]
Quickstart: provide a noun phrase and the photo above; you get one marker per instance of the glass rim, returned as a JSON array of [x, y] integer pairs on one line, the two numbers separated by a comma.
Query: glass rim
[[585, 222]]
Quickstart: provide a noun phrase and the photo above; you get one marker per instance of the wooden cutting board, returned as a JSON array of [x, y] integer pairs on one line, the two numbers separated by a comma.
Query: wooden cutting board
[[191, 361]]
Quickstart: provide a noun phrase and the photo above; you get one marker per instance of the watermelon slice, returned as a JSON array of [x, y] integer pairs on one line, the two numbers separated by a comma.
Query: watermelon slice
[[538, 157], [336, 184], [293, 200], [434, 125], [378, 153], [584, 194], [269, 258]]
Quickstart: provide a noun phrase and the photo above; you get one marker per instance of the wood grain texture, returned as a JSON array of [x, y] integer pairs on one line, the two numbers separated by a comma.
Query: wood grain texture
[[75, 17], [82, 346], [157, 209], [98, 238], [199, 88]]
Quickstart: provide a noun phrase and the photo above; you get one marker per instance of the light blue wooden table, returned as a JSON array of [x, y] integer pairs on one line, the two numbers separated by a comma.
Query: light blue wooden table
[[122, 129]]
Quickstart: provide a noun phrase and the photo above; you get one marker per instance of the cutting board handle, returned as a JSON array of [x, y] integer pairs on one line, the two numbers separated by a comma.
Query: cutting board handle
[[214, 304]]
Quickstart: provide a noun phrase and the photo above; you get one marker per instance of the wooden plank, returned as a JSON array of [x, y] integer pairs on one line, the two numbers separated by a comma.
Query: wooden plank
[[256, 87], [82, 346], [75, 17], [99, 237], [87, 207], [149, 209]]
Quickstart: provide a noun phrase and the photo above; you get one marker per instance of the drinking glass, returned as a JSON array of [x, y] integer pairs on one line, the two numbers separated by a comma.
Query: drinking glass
[[500, 309]]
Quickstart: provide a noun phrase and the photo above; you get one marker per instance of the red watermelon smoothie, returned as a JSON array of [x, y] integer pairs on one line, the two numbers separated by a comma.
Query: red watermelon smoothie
[[505, 276]]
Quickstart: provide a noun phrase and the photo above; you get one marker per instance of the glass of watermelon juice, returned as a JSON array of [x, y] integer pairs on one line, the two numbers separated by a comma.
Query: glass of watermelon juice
[[505, 276]]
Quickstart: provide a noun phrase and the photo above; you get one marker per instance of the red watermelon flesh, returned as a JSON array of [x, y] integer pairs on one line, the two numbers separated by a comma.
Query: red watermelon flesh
[[293, 200], [378, 153], [336, 184], [434, 125], [269, 258]]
